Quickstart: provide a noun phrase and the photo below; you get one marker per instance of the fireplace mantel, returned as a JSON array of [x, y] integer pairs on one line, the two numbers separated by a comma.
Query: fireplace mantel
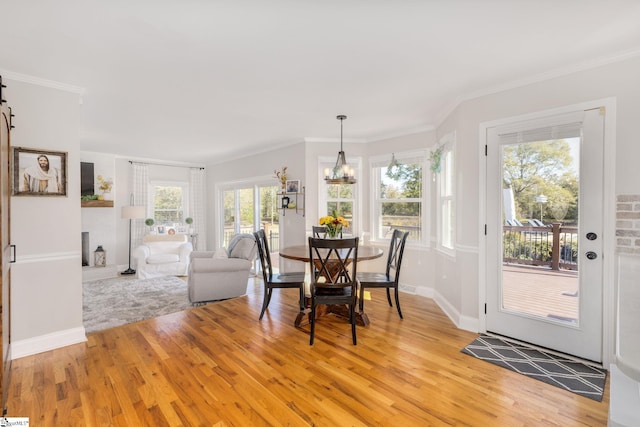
[[96, 203]]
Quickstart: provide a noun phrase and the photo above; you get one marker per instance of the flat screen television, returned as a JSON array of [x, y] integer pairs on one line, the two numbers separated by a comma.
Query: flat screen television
[[86, 179]]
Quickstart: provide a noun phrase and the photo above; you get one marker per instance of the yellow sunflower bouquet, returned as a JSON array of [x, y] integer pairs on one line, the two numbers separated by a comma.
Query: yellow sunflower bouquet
[[333, 224]]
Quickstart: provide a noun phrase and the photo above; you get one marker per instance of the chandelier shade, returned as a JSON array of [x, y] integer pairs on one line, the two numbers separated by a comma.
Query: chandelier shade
[[341, 173]]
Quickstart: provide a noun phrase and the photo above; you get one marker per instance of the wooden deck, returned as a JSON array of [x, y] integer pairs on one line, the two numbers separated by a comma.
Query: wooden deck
[[541, 291]]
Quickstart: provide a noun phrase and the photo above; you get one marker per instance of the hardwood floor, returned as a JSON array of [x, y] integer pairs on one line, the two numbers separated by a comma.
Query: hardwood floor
[[217, 365]]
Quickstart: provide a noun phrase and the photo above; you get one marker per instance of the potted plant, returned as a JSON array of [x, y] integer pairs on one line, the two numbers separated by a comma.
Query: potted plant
[[149, 222], [188, 220], [281, 175]]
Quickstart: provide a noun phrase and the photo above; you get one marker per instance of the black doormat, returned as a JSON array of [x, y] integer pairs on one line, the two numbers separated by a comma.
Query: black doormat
[[568, 374]]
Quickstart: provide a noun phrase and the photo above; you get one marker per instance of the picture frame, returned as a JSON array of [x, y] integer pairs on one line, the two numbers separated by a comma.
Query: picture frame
[[293, 186], [38, 172]]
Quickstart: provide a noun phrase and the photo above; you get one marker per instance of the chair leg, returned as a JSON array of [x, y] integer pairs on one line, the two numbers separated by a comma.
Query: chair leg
[[352, 318], [398, 302], [389, 298], [265, 301], [301, 302], [312, 321]]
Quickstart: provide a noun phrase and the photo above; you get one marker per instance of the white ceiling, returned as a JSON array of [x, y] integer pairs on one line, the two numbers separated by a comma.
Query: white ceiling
[[208, 80]]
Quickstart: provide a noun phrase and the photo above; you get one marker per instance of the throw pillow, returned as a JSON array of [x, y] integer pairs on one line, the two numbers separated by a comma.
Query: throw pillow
[[243, 249]]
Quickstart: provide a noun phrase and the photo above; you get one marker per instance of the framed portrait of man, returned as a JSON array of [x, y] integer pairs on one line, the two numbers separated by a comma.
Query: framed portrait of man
[[39, 172]]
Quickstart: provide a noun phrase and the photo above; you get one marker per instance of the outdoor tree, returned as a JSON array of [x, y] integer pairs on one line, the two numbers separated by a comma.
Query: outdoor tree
[[168, 204], [543, 167], [405, 181]]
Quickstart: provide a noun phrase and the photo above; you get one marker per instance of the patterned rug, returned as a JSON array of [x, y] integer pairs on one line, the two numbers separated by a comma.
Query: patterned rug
[[568, 374], [113, 302]]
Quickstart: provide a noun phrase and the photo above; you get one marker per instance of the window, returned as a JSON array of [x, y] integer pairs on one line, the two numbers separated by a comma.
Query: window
[[247, 207], [338, 198], [169, 202], [399, 199], [445, 186]]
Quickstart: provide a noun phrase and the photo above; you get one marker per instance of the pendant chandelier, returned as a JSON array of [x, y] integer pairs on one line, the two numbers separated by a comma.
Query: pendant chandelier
[[341, 173]]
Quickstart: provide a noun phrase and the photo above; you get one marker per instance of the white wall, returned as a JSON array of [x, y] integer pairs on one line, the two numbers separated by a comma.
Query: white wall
[[46, 280]]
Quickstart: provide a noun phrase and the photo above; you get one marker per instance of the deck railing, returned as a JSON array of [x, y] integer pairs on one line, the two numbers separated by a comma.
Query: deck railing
[[554, 246]]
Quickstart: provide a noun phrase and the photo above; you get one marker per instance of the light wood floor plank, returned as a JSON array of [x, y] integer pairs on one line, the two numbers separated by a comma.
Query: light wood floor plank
[[217, 365]]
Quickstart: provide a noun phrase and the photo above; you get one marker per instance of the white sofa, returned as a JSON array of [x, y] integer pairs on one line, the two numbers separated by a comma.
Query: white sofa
[[222, 274], [162, 255]]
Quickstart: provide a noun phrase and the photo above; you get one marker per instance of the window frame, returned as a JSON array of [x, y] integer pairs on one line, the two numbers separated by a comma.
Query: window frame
[[383, 161], [323, 199], [446, 177], [184, 185]]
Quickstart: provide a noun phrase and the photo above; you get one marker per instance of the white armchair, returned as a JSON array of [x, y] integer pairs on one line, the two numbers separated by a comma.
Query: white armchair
[[221, 274], [162, 255]]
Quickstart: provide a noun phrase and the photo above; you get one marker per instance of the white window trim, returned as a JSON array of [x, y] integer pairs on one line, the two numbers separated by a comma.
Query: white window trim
[[377, 161], [151, 195], [357, 225], [448, 144]]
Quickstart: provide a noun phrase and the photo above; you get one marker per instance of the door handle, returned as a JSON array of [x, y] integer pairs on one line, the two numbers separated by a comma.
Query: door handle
[[591, 255]]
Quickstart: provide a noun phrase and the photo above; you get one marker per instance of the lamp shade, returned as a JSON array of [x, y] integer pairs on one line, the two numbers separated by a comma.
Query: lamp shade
[[133, 212]]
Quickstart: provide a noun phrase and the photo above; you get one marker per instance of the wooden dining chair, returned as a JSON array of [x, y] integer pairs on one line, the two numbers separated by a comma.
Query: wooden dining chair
[[319, 231], [333, 282], [275, 280], [388, 279]]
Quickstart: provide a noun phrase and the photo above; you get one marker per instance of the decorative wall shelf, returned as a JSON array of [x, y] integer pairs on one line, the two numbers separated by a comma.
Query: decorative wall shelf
[[96, 203], [294, 198]]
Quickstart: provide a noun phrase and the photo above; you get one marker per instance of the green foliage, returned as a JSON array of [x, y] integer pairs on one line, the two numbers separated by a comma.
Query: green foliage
[[168, 204], [269, 204], [544, 167], [404, 182]]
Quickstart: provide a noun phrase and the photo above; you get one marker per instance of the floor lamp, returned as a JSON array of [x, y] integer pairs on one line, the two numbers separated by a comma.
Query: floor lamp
[[131, 213]]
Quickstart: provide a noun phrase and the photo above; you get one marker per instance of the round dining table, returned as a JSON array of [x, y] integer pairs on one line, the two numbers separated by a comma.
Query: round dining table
[[301, 253]]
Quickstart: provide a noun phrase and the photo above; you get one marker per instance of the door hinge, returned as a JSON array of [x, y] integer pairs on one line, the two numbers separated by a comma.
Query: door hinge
[[485, 149], [485, 308], [485, 229]]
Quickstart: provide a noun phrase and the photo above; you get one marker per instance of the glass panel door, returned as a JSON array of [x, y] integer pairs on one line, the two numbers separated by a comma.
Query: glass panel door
[[544, 270]]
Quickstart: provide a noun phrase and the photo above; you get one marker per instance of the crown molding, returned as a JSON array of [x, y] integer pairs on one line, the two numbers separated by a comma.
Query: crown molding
[[25, 78], [536, 78]]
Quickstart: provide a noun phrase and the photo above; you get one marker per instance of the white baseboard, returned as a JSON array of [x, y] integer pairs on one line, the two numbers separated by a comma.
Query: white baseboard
[[462, 322], [47, 342], [466, 323]]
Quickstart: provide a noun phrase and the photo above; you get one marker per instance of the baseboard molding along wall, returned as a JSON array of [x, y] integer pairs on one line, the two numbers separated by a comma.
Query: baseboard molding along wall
[[462, 322], [47, 342]]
